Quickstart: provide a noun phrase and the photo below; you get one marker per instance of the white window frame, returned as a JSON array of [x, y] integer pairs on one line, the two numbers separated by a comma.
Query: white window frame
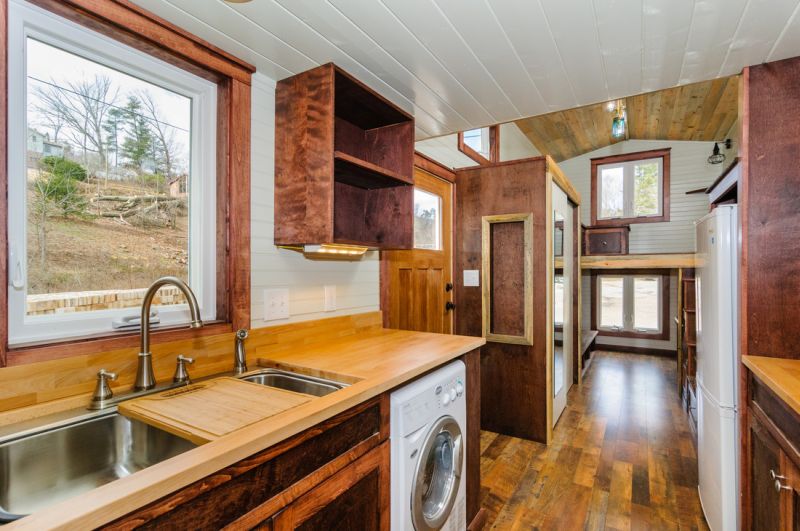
[[26, 20], [628, 184], [628, 305]]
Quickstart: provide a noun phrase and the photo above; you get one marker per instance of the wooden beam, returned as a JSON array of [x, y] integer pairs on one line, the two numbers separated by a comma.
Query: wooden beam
[[639, 261]]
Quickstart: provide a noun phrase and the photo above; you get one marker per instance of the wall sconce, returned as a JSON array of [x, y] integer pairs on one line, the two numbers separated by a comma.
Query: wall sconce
[[717, 157]]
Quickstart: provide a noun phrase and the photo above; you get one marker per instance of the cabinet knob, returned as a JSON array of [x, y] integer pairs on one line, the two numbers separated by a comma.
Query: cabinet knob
[[778, 485]]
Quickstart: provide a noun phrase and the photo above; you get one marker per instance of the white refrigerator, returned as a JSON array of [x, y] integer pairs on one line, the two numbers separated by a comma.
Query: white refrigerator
[[717, 367]]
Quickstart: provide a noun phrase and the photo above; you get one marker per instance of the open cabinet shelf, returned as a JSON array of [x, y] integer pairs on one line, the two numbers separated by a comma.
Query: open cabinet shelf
[[343, 163]]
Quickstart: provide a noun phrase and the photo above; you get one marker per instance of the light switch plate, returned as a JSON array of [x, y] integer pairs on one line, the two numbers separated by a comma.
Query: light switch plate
[[471, 278], [330, 298], [276, 304]]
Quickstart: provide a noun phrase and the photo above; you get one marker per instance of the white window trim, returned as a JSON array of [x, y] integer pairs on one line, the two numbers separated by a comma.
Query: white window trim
[[26, 20], [628, 302], [628, 188]]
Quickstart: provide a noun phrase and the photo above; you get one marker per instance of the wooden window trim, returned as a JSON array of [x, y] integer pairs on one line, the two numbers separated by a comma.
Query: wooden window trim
[[639, 155], [665, 323], [494, 147], [136, 27]]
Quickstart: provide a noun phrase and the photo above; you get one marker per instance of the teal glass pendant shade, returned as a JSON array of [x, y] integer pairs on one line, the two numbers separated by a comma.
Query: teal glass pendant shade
[[618, 127]]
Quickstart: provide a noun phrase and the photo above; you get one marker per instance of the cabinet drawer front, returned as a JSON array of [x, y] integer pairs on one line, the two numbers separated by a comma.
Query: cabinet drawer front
[[221, 498], [611, 242]]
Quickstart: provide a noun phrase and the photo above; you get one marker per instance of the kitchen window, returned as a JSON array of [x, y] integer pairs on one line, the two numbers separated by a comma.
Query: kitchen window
[[111, 181], [632, 188], [631, 304]]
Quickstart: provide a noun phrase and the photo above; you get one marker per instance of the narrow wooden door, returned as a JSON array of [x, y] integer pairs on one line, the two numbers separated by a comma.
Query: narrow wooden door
[[766, 505], [417, 284]]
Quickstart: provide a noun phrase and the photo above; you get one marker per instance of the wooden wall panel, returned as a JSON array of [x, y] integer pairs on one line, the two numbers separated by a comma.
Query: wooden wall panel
[[771, 227], [508, 278], [510, 374]]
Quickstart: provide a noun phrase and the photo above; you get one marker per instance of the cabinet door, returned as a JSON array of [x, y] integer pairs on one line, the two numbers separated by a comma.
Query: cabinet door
[[355, 498], [765, 501], [789, 486]]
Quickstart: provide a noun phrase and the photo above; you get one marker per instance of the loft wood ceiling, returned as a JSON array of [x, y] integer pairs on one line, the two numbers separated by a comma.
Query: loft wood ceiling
[[701, 111], [458, 64]]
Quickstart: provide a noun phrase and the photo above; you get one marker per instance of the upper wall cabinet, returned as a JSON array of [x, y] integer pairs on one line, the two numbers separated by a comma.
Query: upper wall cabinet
[[344, 160]]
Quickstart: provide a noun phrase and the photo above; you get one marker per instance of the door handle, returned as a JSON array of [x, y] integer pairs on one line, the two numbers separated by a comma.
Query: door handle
[[449, 306]]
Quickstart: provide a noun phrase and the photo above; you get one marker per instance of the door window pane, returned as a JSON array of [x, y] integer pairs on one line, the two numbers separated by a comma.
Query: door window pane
[[107, 174], [645, 303], [611, 302], [645, 189], [612, 204], [427, 220]]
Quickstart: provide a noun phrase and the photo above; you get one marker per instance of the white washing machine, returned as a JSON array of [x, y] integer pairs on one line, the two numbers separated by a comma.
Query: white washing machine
[[428, 446]]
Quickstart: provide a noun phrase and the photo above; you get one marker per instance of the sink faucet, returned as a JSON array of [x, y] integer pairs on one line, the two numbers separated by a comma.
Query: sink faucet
[[145, 378], [239, 358]]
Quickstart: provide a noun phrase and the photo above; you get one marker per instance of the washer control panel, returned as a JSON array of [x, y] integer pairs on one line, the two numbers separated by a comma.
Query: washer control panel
[[449, 392]]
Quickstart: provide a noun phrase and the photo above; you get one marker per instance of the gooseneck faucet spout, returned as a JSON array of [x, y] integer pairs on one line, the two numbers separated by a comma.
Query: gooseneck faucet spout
[[145, 378]]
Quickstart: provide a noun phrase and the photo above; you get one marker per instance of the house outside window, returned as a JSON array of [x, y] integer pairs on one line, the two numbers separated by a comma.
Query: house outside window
[[631, 188]]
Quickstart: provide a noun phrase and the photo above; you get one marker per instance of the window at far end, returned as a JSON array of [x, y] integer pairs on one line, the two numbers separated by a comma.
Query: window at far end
[[481, 144], [631, 304], [631, 188]]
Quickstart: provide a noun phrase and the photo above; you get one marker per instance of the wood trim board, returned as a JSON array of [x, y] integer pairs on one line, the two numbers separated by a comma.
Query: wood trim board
[[486, 281], [639, 261]]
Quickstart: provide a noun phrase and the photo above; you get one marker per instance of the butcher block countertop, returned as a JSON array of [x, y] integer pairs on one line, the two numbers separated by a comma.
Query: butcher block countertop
[[782, 376], [372, 362]]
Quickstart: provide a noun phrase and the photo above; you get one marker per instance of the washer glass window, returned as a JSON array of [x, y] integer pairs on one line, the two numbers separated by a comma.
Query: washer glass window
[[438, 475]]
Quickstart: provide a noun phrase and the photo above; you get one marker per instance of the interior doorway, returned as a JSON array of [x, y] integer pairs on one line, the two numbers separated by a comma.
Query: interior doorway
[[417, 284], [563, 324]]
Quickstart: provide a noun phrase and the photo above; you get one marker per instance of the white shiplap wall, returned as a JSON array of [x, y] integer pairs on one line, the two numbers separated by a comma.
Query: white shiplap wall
[[357, 283], [689, 170]]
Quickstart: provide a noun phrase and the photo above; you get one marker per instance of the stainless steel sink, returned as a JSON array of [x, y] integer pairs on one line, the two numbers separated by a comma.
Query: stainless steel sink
[[55, 463], [291, 381]]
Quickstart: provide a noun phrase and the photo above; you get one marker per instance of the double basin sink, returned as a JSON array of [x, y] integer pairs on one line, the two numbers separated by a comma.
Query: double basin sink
[[56, 462]]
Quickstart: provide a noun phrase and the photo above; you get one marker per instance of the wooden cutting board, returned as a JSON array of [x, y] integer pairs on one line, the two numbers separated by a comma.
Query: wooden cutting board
[[206, 411]]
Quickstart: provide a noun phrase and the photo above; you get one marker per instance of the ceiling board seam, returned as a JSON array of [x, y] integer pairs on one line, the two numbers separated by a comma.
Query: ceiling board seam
[[686, 42], [600, 49], [783, 32], [223, 34], [558, 51], [468, 47], [392, 89], [439, 62], [401, 65], [733, 38], [516, 53]]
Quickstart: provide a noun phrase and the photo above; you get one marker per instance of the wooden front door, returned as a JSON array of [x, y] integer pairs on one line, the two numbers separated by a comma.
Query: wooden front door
[[417, 284]]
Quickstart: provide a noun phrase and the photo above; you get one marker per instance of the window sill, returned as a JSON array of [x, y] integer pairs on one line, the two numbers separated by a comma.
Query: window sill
[[621, 222], [660, 336], [80, 347]]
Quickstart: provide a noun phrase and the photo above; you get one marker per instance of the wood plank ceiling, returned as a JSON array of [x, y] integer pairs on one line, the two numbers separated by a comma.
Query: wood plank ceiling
[[701, 111], [458, 64]]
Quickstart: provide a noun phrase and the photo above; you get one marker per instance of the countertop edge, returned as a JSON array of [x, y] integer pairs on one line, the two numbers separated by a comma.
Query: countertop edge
[[118, 498], [756, 365]]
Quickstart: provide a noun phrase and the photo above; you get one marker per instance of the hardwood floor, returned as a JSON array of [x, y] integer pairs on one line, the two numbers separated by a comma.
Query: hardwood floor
[[622, 457]]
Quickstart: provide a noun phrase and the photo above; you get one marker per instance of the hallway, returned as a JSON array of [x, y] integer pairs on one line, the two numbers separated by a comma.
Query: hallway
[[622, 457]]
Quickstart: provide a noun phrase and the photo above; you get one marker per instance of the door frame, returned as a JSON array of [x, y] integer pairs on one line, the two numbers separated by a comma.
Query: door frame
[[429, 169]]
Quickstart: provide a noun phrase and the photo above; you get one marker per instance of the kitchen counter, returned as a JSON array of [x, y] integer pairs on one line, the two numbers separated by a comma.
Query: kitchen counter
[[372, 362], [782, 376]]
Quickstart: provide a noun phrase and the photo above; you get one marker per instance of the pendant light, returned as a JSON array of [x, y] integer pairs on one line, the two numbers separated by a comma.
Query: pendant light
[[619, 125]]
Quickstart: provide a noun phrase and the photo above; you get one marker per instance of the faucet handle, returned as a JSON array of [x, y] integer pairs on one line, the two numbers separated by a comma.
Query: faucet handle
[[181, 374], [102, 390]]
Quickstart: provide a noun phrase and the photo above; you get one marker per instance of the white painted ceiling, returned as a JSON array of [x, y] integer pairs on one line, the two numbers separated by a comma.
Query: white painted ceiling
[[457, 64]]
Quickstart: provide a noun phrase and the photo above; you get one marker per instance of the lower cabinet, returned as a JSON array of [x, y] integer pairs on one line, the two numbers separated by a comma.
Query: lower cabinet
[[774, 477], [332, 476]]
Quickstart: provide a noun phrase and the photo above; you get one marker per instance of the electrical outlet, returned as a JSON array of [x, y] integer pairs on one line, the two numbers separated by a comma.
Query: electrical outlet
[[330, 298], [276, 304]]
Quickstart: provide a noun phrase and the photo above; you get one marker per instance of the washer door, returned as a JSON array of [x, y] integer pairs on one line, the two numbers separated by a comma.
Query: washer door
[[438, 475]]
